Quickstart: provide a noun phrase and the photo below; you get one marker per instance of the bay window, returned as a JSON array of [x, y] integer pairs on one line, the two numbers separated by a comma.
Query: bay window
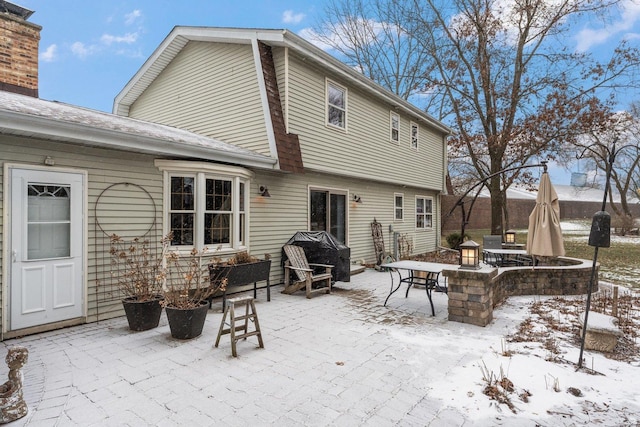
[[205, 204]]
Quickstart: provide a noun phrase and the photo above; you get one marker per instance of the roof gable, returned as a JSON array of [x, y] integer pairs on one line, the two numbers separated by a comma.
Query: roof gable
[[181, 35]]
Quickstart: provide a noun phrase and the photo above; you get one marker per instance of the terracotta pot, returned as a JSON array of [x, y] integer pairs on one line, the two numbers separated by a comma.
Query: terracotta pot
[[142, 315], [186, 323]]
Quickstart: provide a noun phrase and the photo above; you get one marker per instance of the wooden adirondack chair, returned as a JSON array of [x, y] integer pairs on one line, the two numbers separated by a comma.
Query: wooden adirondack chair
[[303, 273]]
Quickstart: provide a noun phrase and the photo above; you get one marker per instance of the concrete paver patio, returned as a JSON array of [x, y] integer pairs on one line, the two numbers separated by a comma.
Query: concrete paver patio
[[341, 359]]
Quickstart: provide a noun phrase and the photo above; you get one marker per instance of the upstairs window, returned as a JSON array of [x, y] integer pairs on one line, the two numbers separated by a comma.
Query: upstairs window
[[398, 207], [395, 127], [414, 135], [424, 212], [336, 105]]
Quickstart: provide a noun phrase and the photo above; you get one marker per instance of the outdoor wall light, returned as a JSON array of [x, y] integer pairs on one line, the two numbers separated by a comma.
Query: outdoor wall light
[[264, 191], [470, 255], [357, 198], [510, 237], [49, 161]]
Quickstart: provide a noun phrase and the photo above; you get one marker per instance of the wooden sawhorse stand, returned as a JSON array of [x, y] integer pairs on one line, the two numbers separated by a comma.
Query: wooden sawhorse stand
[[233, 328]]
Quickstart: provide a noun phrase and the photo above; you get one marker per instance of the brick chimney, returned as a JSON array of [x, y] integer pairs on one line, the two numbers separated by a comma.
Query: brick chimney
[[19, 41]]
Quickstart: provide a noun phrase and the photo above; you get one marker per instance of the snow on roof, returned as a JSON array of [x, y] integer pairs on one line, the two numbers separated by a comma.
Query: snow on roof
[[565, 193], [25, 115], [570, 192]]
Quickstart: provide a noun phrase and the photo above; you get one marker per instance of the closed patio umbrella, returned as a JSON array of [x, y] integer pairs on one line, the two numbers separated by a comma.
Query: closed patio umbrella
[[545, 235]]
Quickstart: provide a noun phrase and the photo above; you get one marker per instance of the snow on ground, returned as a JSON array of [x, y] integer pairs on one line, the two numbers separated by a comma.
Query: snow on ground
[[547, 388], [576, 226]]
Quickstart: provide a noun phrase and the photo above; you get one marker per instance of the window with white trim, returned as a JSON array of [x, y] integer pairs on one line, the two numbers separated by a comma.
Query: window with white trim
[[206, 205], [424, 212], [336, 105], [395, 127], [398, 206], [414, 135]]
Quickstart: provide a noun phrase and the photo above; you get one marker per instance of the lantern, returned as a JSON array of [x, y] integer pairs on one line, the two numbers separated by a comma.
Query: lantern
[[470, 255], [510, 237]]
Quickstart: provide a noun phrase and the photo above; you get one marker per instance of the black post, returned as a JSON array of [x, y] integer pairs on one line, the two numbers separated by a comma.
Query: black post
[[612, 157]]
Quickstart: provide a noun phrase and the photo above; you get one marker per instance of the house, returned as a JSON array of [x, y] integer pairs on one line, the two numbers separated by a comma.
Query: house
[[347, 150], [232, 139]]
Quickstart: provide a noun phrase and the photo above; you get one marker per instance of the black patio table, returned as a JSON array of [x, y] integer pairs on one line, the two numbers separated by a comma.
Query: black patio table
[[429, 280], [502, 257]]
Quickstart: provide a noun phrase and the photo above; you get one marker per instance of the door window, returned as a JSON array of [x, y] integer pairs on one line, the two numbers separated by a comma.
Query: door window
[[48, 221]]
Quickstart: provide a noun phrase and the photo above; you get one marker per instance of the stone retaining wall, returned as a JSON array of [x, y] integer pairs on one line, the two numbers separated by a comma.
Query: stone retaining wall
[[473, 294]]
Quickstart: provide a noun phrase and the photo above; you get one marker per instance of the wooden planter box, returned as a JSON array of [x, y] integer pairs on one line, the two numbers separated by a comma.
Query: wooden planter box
[[240, 275]]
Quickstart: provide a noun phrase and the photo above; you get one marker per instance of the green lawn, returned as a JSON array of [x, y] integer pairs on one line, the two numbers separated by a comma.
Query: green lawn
[[619, 264]]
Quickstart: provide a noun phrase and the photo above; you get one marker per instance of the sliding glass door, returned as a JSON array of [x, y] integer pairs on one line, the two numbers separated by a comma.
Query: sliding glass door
[[328, 212]]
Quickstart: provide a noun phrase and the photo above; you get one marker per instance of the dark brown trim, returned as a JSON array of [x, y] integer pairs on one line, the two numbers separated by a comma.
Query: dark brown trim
[[287, 144], [18, 89]]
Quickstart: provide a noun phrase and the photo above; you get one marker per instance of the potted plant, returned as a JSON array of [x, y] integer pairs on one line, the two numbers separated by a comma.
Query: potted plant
[[186, 291], [241, 269], [137, 271]]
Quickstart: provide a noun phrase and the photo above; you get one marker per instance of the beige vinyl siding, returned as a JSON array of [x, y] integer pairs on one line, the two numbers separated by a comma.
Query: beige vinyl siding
[[365, 146], [104, 167], [211, 89], [275, 219]]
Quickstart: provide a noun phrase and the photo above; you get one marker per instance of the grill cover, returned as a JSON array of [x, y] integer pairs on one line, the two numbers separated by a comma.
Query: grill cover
[[321, 247]]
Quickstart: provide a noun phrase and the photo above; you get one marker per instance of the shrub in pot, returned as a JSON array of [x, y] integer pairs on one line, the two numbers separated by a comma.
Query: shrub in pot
[[241, 269], [186, 291], [136, 267]]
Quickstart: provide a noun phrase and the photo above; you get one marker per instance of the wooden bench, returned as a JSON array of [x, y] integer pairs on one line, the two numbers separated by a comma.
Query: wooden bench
[[602, 332]]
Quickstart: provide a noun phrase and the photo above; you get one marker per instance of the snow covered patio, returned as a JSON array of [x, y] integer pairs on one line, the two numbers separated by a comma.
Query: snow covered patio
[[339, 359]]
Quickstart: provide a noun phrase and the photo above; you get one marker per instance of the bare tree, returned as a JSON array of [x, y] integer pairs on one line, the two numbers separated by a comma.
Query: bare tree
[[373, 37], [499, 72], [618, 135]]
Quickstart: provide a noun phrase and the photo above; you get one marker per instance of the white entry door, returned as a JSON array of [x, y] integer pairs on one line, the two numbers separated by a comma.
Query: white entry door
[[47, 245]]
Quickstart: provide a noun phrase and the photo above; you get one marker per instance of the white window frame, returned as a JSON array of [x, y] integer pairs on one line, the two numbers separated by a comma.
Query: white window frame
[[414, 138], [201, 172], [424, 215], [328, 106], [397, 209], [393, 116]]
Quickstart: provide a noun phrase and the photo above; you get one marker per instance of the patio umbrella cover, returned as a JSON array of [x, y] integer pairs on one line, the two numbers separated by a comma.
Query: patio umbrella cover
[[545, 235]]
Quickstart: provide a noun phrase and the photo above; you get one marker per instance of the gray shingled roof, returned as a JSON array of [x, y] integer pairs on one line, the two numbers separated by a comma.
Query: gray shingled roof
[[55, 121]]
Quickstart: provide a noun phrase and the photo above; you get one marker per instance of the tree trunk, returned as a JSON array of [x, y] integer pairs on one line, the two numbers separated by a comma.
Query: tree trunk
[[505, 211], [497, 205]]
